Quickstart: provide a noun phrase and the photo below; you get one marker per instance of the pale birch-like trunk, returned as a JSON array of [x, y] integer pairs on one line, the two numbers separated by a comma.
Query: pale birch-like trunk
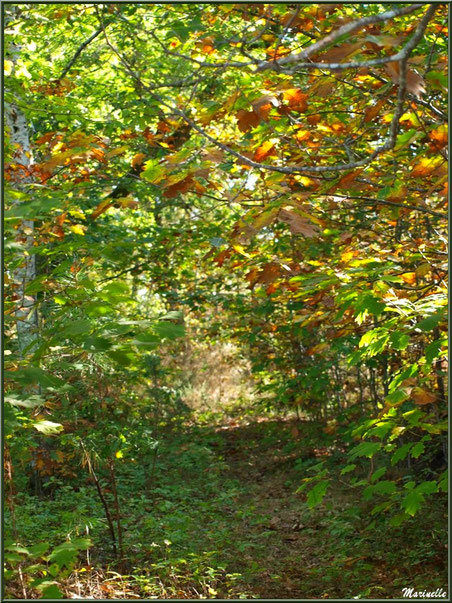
[[26, 312]]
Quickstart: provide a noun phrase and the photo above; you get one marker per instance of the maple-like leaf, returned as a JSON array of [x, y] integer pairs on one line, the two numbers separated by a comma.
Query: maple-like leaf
[[247, 120], [264, 150]]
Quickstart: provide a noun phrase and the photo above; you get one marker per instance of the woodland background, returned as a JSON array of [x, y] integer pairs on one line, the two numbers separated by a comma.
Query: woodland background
[[225, 300]]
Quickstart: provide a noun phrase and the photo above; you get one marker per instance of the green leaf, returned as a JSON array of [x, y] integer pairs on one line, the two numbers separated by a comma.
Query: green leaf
[[433, 350], [30, 401], [51, 592], [429, 323], [97, 344], [63, 556], [39, 549], [443, 482], [76, 327], [412, 502], [399, 340], [427, 488], [397, 396], [169, 330], [400, 453], [398, 519], [347, 469], [48, 427], [417, 450], [367, 449], [377, 474], [147, 340], [384, 487], [316, 494]]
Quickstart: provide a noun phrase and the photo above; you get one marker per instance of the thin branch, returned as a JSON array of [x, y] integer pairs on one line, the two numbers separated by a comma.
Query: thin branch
[[336, 34], [80, 50], [371, 201]]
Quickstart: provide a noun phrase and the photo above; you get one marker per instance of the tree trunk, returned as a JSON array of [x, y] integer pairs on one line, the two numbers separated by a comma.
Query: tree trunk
[[21, 163]]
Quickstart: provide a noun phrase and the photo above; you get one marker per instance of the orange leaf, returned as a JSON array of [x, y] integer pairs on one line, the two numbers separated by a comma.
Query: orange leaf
[[98, 154], [297, 101], [45, 138], [138, 159], [409, 278], [439, 136], [206, 45], [101, 208], [301, 135], [265, 149]]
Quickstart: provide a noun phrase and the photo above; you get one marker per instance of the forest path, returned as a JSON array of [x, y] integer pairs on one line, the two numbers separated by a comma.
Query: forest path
[[219, 516], [262, 455]]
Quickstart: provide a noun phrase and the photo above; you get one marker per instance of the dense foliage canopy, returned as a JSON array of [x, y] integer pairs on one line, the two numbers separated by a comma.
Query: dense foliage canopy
[[271, 175]]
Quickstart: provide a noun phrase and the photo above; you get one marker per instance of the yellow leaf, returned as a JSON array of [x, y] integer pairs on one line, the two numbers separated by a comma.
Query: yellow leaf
[[8, 67], [409, 278], [117, 151], [119, 454], [78, 229]]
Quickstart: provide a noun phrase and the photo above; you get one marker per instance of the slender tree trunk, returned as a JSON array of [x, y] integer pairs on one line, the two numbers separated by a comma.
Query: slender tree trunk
[[21, 163]]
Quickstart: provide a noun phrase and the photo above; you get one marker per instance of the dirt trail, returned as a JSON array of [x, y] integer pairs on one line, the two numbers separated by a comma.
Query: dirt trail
[[257, 454]]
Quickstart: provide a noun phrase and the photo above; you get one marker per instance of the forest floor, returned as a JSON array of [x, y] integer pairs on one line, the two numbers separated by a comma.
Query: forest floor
[[216, 515]]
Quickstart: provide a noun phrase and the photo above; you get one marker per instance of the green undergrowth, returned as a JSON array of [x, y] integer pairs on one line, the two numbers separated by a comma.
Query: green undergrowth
[[213, 511]]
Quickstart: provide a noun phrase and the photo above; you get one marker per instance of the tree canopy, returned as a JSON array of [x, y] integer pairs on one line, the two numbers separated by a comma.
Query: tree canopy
[[272, 176]]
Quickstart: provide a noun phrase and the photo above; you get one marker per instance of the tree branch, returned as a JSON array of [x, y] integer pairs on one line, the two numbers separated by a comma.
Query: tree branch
[[336, 34], [371, 201], [80, 49], [393, 129]]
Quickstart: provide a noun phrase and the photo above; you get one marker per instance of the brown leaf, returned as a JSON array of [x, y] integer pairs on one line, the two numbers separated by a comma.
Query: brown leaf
[[339, 53], [373, 111], [247, 120], [263, 105], [414, 82], [269, 273], [323, 87], [298, 224], [215, 155], [222, 256], [422, 396], [179, 187]]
